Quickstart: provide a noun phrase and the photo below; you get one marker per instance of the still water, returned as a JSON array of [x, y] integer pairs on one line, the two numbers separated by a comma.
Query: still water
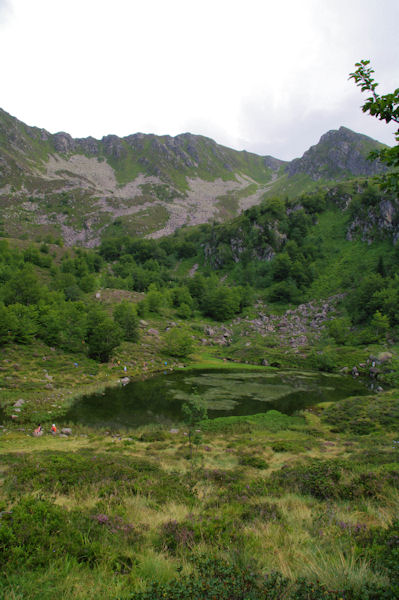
[[159, 399]]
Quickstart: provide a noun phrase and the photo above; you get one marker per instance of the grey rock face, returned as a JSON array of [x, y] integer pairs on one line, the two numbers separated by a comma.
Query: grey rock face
[[63, 142], [338, 153]]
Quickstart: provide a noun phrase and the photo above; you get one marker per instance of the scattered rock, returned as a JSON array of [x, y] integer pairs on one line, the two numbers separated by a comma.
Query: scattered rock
[[373, 372], [173, 431], [19, 403], [264, 363], [66, 431], [384, 357]]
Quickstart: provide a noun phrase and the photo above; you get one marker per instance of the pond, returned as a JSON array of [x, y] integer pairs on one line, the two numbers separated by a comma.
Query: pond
[[159, 399]]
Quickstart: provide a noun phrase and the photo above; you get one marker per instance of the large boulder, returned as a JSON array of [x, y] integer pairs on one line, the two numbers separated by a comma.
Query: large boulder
[[384, 357]]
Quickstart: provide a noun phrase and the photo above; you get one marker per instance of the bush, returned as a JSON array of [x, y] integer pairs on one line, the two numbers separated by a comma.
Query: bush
[[179, 343], [339, 330], [125, 314], [324, 361], [256, 462], [265, 511], [36, 532], [317, 478], [217, 580], [103, 334], [364, 415]]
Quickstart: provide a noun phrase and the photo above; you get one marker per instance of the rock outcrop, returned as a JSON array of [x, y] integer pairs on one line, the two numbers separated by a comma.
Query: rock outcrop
[[338, 154]]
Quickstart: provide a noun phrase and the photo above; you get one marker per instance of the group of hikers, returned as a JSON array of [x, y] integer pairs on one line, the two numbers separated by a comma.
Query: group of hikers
[[39, 430]]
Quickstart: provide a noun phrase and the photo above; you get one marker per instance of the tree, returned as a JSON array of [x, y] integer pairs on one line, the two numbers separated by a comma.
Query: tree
[[125, 314], [385, 108], [178, 342], [380, 323], [221, 303], [103, 334], [8, 325], [194, 412], [23, 287], [25, 320]]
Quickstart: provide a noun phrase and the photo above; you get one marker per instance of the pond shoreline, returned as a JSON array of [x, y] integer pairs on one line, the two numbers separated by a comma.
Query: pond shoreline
[[157, 398]]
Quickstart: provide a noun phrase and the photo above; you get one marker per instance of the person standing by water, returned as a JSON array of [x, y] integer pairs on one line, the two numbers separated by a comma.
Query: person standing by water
[[53, 429]]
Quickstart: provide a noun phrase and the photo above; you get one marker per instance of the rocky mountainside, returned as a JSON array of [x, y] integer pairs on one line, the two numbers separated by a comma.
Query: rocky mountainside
[[53, 186], [338, 154]]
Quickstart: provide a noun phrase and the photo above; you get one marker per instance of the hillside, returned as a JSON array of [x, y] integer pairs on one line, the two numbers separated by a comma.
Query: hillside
[[268, 504], [54, 187]]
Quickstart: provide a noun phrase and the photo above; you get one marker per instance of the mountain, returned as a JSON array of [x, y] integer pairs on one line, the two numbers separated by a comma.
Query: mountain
[[53, 186], [339, 153]]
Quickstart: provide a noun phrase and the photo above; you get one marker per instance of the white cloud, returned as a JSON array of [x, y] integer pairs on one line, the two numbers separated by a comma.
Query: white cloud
[[5, 11], [265, 76]]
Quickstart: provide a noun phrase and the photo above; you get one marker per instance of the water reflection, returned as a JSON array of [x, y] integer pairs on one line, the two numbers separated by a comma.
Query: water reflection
[[159, 399]]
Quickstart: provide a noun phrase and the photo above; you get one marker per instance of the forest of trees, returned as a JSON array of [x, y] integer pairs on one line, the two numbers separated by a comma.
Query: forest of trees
[[273, 252]]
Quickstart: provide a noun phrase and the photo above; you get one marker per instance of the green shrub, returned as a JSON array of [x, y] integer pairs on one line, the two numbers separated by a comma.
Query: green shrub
[[363, 415], [256, 462], [179, 343], [264, 511], [174, 536], [317, 478], [272, 420], [63, 472], [324, 361], [217, 580], [158, 435], [36, 532], [339, 330], [295, 446]]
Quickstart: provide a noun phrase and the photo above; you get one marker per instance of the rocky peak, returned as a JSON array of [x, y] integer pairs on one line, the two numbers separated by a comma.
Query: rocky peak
[[63, 142], [339, 153], [113, 146]]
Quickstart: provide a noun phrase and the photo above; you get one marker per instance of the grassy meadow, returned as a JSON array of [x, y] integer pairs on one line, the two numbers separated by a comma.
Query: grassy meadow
[[267, 506]]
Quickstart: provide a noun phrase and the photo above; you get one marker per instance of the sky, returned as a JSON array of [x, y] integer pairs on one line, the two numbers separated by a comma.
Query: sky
[[265, 76]]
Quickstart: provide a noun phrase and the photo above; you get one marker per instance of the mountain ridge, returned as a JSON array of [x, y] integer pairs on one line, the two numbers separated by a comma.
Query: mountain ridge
[[82, 189]]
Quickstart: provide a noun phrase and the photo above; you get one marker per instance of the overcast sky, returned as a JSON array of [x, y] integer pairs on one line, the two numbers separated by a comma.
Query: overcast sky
[[267, 76]]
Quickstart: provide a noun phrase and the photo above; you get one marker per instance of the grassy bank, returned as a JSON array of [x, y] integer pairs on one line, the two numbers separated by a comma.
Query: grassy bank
[[95, 515], [263, 507]]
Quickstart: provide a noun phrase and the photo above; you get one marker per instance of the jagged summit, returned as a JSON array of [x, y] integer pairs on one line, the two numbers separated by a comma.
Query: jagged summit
[[339, 153]]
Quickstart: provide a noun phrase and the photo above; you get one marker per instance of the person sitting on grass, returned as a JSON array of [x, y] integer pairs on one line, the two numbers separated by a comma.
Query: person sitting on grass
[[53, 429], [38, 431]]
